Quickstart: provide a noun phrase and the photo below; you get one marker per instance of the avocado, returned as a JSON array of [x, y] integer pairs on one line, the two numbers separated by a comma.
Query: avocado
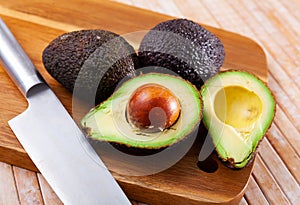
[[238, 110], [184, 47], [150, 112], [106, 57]]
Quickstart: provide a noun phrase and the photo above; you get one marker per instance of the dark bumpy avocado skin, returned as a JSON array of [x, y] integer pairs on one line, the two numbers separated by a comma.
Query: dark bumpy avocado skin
[[183, 47], [64, 57]]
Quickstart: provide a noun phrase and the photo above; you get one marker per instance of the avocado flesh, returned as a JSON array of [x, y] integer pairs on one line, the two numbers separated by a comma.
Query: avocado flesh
[[238, 110], [108, 122]]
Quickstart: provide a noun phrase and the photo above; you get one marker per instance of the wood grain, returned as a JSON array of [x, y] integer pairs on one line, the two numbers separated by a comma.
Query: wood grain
[[28, 186], [189, 184], [280, 172], [282, 147], [266, 181], [9, 194], [243, 202], [273, 24], [253, 193]]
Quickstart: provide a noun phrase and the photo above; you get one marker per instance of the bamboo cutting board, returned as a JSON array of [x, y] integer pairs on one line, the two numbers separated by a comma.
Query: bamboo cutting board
[[35, 24]]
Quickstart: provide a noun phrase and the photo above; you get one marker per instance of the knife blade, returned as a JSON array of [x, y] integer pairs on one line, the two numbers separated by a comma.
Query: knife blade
[[52, 139]]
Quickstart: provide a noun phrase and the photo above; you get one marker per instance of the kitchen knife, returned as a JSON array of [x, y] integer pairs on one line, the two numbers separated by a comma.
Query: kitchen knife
[[52, 139]]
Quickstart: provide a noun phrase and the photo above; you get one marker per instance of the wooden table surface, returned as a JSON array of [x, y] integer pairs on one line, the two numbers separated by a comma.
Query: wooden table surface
[[275, 26]]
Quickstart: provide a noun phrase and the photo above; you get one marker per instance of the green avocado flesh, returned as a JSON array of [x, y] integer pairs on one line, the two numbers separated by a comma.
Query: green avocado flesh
[[238, 110], [108, 121]]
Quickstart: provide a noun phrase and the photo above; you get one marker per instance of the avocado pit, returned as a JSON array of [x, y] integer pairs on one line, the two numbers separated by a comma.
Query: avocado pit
[[152, 107]]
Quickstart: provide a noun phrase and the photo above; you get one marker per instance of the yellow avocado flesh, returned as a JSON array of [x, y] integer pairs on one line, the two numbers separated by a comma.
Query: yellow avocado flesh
[[237, 107]]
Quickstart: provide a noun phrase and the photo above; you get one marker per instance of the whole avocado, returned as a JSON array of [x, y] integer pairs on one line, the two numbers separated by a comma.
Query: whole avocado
[[101, 58], [184, 47]]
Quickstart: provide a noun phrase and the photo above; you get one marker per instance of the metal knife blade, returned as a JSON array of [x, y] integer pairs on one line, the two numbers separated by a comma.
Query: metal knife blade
[[52, 139]]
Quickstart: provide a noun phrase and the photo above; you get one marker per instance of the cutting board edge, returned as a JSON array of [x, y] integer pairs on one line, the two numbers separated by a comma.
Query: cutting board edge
[[154, 195]]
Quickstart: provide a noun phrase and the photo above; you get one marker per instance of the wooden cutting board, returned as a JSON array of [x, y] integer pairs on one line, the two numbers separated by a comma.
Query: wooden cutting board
[[36, 23]]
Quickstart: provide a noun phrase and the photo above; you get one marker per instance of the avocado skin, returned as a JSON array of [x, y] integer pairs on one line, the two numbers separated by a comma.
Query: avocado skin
[[64, 57], [136, 151], [195, 59]]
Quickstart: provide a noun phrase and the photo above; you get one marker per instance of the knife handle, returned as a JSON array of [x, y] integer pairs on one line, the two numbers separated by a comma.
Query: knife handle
[[16, 62]]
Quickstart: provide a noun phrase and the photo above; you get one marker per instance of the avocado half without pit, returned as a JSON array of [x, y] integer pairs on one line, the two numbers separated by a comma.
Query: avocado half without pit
[[238, 110], [151, 112]]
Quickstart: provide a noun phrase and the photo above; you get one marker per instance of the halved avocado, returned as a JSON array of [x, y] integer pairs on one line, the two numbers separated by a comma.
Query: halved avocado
[[238, 110], [109, 121]]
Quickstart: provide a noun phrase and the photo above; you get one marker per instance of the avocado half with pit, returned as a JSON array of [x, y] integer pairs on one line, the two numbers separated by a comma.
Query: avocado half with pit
[[151, 111], [238, 110]]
